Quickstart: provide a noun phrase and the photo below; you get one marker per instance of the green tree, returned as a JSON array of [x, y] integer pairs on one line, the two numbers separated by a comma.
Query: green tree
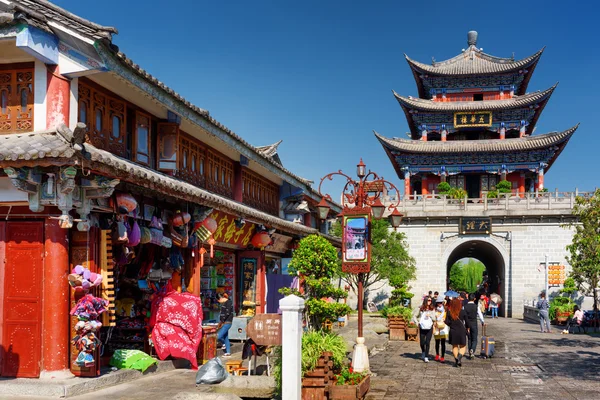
[[466, 277], [584, 249], [315, 261], [389, 260]]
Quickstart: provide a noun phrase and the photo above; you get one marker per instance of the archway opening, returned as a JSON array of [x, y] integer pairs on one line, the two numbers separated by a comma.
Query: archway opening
[[491, 258], [467, 275]]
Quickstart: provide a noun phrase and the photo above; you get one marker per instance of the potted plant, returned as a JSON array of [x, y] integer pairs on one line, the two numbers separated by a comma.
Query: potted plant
[[412, 332], [398, 317], [349, 385], [322, 353], [560, 309]]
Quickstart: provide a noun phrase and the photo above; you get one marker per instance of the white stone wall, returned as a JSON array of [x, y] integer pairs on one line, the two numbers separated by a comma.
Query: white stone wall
[[523, 254]]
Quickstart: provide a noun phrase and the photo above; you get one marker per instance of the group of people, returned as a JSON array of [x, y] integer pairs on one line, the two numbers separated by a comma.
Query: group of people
[[450, 319], [543, 309]]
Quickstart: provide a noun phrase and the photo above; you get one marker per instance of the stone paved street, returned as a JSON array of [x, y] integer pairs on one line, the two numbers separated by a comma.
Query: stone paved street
[[527, 365]]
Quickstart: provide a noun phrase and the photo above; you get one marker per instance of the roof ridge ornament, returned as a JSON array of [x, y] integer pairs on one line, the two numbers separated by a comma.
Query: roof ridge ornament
[[472, 38]]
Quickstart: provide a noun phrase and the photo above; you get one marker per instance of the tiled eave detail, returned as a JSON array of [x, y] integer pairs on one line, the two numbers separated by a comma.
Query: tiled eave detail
[[49, 148], [488, 105]]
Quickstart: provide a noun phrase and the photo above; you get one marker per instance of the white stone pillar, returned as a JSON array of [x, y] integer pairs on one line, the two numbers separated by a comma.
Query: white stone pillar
[[291, 341]]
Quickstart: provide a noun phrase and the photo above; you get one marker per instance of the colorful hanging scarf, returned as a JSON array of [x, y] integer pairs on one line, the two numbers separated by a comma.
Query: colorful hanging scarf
[[177, 331]]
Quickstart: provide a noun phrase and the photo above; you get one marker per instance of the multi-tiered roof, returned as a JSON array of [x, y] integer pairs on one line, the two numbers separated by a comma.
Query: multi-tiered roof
[[474, 114]]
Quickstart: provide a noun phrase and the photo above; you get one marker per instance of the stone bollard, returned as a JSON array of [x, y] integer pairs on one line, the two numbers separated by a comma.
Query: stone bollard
[[291, 341]]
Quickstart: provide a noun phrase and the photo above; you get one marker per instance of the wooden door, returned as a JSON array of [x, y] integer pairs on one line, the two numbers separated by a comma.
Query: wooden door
[[22, 312]]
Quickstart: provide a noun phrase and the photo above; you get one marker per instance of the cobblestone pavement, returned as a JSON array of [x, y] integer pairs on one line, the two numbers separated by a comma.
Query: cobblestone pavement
[[528, 364]]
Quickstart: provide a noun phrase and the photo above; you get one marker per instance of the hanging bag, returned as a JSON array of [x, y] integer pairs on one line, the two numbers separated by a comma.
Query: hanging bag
[[156, 230]]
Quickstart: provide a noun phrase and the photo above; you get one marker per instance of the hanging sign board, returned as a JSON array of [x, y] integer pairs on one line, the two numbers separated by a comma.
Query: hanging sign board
[[356, 249], [248, 282], [475, 226], [265, 329], [472, 119], [280, 244], [228, 232]]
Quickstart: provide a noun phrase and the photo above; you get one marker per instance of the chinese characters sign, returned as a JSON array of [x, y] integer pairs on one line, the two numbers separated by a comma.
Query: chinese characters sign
[[247, 282], [265, 329], [472, 119], [227, 232], [355, 243], [475, 226]]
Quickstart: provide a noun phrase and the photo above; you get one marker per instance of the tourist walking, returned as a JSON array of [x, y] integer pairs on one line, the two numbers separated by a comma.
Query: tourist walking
[[440, 329], [226, 318], [543, 306], [493, 307], [473, 314], [424, 319], [455, 319]]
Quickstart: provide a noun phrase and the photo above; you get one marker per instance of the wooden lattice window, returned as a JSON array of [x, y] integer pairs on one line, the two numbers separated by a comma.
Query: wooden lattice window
[[16, 99], [168, 140], [260, 193], [192, 157], [219, 174], [104, 117], [141, 138]]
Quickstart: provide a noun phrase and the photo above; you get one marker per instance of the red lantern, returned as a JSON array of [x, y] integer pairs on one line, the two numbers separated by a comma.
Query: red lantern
[[181, 218], [205, 228], [261, 240]]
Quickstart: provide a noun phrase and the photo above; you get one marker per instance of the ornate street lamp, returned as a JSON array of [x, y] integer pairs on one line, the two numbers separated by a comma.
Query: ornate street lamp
[[361, 200]]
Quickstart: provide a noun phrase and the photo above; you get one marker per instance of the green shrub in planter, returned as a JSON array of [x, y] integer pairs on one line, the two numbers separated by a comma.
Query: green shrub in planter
[[397, 311], [504, 187], [443, 187], [314, 343]]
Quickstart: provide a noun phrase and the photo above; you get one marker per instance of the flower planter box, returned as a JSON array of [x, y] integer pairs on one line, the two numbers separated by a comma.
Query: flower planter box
[[562, 317], [315, 383], [397, 327], [350, 392], [412, 334]]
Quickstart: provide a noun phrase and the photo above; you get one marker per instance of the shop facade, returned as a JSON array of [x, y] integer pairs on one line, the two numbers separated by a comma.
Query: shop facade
[[104, 167]]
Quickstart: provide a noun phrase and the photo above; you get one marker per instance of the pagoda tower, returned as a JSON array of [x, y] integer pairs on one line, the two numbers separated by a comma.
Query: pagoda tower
[[472, 125]]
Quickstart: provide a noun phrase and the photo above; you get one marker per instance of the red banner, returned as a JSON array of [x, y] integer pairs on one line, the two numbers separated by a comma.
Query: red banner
[[228, 233]]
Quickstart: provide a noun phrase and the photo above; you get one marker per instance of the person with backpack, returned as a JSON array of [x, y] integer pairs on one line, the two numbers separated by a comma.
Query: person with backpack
[[473, 314], [543, 307]]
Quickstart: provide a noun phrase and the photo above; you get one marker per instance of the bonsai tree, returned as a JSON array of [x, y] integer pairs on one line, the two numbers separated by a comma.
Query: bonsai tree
[[504, 187], [443, 187], [315, 261], [400, 294]]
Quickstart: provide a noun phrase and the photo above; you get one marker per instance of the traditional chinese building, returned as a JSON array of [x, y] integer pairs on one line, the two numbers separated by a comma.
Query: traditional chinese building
[[86, 133], [473, 124]]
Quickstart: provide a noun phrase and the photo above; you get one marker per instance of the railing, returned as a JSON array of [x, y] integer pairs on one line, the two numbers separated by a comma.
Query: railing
[[537, 203]]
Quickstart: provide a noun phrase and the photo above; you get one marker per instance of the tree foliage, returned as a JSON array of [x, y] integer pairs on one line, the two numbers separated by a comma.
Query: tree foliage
[[389, 260], [466, 277], [315, 261], [584, 249]]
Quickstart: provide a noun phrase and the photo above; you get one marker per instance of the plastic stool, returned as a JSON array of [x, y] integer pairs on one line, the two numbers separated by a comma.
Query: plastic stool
[[232, 365]]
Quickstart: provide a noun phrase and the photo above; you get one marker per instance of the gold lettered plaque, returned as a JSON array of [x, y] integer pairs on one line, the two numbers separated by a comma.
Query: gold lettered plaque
[[472, 119]]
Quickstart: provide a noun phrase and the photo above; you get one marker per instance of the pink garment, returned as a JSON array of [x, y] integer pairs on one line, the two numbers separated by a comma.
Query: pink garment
[[578, 316], [178, 327]]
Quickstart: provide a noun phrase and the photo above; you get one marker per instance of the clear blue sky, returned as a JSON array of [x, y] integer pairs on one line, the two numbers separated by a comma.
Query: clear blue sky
[[319, 74]]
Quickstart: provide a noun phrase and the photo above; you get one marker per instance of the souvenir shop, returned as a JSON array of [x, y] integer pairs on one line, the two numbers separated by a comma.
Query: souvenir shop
[[137, 252]]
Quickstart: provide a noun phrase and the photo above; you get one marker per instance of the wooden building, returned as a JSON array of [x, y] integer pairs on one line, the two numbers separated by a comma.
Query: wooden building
[[80, 122]]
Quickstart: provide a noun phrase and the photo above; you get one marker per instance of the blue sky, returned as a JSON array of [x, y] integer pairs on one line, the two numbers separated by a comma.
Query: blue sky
[[319, 74]]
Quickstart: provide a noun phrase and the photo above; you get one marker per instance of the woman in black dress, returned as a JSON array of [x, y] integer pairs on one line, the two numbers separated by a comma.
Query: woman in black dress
[[455, 319]]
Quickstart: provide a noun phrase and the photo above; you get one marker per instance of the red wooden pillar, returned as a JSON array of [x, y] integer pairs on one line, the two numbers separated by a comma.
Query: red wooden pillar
[[425, 185], [522, 185], [540, 180], [58, 98], [308, 219], [407, 184], [55, 324], [238, 184]]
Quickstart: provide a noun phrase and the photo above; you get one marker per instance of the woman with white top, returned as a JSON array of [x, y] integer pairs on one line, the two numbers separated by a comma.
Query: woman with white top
[[424, 319]]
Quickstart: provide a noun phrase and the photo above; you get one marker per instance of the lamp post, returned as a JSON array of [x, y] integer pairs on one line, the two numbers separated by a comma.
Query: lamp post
[[361, 199]]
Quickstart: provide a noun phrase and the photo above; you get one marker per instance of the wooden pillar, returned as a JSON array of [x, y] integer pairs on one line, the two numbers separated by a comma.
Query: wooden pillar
[[238, 184], [424, 135], [444, 134], [522, 185], [502, 131], [55, 323], [406, 184], [424, 185], [540, 179], [58, 98], [308, 219]]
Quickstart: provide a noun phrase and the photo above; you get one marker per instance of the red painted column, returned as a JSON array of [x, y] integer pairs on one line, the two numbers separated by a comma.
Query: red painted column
[[238, 184], [522, 185], [58, 98], [308, 219], [540, 179], [55, 297], [424, 185], [407, 184]]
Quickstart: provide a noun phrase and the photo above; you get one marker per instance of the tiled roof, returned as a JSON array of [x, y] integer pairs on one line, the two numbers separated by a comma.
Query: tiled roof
[[451, 106], [44, 11], [473, 61], [270, 150], [478, 146], [49, 145]]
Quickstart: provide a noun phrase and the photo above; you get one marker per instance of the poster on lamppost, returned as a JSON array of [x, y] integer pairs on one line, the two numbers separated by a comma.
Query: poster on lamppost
[[356, 249]]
